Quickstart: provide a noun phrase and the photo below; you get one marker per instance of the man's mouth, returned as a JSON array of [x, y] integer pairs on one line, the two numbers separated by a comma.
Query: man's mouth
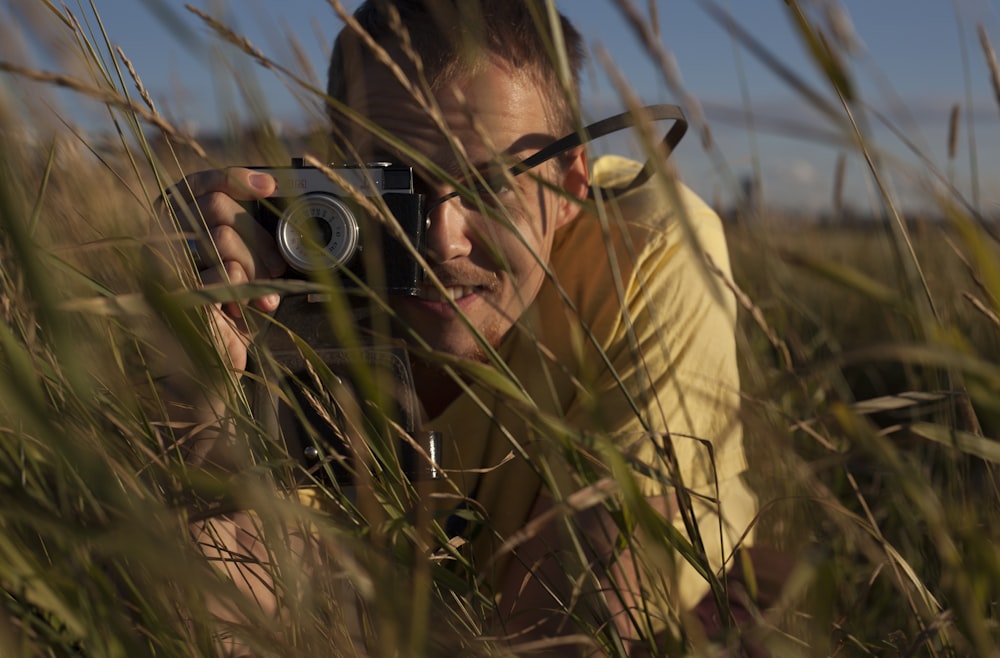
[[453, 293]]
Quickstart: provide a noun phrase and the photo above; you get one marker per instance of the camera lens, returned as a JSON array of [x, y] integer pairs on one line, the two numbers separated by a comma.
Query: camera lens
[[317, 232]]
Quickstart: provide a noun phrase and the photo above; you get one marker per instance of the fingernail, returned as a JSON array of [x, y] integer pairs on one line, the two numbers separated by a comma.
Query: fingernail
[[260, 182], [272, 301]]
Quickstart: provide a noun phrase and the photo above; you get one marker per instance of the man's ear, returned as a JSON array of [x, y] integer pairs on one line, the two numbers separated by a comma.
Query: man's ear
[[575, 185]]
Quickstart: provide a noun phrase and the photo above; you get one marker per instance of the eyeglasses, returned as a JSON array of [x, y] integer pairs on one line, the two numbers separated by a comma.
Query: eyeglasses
[[588, 134]]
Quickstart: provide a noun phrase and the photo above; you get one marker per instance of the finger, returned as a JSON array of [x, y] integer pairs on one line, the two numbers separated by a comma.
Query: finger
[[234, 273], [213, 196], [233, 249], [231, 231], [257, 262], [231, 336], [209, 199], [232, 225], [237, 183]]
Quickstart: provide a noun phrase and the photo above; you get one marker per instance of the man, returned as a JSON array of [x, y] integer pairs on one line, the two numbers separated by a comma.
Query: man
[[607, 319]]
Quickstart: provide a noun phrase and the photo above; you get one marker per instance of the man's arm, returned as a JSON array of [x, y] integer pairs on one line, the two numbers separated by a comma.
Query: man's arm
[[538, 597], [669, 336], [205, 207]]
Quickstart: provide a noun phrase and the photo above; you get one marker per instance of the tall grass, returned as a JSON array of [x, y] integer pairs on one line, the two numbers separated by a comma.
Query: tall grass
[[869, 363]]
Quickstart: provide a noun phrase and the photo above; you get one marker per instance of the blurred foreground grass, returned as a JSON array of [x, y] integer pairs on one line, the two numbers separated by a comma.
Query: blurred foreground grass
[[871, 408]]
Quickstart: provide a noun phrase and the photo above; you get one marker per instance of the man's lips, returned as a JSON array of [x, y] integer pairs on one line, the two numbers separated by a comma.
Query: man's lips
[[454, 293], [457, 285]]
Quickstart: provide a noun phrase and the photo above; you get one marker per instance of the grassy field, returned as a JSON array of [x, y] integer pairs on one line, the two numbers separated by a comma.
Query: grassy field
[[869, 355], [873, 416]]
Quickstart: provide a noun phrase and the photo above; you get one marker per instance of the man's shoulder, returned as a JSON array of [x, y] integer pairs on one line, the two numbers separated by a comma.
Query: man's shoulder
[[653, 232], [658, 208], [660, 203]]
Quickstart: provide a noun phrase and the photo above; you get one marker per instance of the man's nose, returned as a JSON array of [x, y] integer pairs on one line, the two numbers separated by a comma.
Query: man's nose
[[449, 233]]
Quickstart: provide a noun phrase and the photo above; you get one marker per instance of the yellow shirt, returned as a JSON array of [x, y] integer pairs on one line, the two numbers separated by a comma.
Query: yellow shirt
[[633, 334]]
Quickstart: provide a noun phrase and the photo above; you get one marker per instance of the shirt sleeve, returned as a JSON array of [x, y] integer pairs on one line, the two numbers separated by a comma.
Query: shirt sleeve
[[665, 324]]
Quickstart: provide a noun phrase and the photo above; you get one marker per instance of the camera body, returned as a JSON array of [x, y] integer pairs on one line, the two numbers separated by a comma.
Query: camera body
[[318, 227], [310, 397]]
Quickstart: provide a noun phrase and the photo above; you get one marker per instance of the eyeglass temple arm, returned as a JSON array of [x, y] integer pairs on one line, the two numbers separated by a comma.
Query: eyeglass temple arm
[[610, 125], [597, 130]]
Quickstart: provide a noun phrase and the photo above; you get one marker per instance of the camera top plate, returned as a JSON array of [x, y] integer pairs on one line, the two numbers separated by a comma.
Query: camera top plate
[[376, 178]]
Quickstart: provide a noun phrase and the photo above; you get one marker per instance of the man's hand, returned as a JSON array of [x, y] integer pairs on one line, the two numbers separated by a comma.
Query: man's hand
[[233, 248]]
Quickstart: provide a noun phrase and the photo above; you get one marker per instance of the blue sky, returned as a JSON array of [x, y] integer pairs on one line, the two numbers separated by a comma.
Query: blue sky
[[908, 66]]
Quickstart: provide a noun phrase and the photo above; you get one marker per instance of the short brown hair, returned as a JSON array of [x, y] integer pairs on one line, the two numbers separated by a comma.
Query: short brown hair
[[451, 37]]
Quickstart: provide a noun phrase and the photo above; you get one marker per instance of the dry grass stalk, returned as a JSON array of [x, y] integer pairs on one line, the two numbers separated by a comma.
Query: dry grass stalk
[[756, 313], [954, 121], [842, 27], [110, 98], [839, 176], [141, 88], [667, 65], [247, 47], [654, 18], [971, 270], [989, 313], [991, 61]]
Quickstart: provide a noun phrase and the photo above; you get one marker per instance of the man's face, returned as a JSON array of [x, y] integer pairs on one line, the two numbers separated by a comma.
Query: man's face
[[491, 269]]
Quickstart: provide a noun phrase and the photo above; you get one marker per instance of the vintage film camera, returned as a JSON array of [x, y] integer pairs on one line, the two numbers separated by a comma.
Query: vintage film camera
[[318, 227], [319, 399]]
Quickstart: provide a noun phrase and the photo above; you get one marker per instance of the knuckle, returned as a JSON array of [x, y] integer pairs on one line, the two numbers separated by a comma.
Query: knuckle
[[205, 183], [225, 237], [235, 272], [202, 182], [217, 207]]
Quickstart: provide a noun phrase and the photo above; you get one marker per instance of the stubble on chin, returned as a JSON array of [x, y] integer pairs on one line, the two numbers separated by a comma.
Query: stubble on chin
[[493, 336]]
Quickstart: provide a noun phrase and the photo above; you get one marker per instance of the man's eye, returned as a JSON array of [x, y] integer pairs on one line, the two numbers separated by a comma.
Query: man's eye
[[498, 187], [495, 184], [493, 192]]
